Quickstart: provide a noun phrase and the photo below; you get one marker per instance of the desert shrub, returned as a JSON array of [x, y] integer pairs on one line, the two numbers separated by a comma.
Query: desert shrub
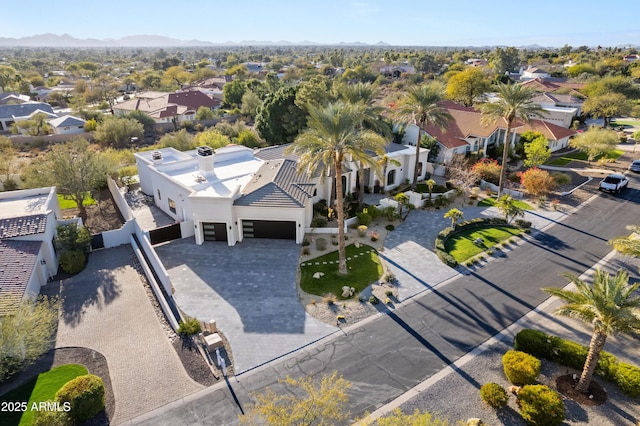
[[523, 223], [537, 182], [540, 405], [561, 178], [520, 367], [442, 201], [494, 395], [390, 227], [189, 327], [85, 394], [72, 261], [373, 300], [306, 251], [628, 379], [364, 218], [321, 208], [488, 169], [321, 244], [10, 185], [305, 243], [389, 213], [52, 418], [319, 222]]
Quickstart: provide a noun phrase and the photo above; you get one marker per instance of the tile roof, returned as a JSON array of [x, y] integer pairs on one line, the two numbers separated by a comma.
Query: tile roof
[[277, 184], [556, 98], [159, 104], [549, 130], [17, 262], [24, 225]]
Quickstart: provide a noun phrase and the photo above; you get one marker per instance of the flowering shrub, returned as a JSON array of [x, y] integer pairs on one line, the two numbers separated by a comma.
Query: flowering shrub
[[537, 182], [489, 169]]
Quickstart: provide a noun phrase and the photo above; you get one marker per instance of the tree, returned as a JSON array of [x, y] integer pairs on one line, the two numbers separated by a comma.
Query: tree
[[537, 150], [314, 92], [26, 332], [432, 145], [212, 138], [612, 84], [507, 205], [488, 169], [467, 85], [606, 106], [403, 200], [117, 132], [308, 403], [455, 215], [505, 60], [537, 182], [609, 304], [333, 138], [176, 76], [628, 245], [74, 168], [180, 140], [205, 113], [250, 103], [462, 176], [430, 184], [595, 142], [279, 120], [420, 107], [514, 102], [233, 91], [8, 166], [398, 418]]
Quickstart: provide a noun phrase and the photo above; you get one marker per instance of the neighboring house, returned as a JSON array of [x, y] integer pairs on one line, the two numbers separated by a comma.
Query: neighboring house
[[12, 98], [466, 133], [631, 58], [476, 62], [212, 87], [552, 85], [9, 114], [28, 222], [560, 109], [168, 107], [395, 71], [533, 72], [67, 125]]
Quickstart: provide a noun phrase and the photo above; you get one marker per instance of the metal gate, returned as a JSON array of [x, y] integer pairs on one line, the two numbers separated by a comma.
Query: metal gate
[[97, 242], [166, 233]]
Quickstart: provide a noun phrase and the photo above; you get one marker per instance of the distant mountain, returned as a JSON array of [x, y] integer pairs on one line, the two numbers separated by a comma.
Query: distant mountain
[[65, 40]]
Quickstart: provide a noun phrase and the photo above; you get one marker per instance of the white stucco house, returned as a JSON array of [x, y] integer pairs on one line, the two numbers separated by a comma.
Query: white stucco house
[[67, 125], [28, 222]]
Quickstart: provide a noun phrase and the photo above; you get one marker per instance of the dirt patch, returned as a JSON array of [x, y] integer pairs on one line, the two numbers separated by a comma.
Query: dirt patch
[[102, 216], [596, 395]]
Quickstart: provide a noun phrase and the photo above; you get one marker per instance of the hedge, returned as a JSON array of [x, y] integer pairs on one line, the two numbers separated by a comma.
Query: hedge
[[571, 354]]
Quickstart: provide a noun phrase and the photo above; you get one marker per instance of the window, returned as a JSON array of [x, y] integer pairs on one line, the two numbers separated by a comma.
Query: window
[[172, 205], [159, 197], [420, 168], [391, 177]]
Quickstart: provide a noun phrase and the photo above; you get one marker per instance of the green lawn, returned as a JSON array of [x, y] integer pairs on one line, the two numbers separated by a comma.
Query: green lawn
[[462, 247], [491, 201], [363, 270], [626, 123], [68, 203], [42, 388], [582, 156]]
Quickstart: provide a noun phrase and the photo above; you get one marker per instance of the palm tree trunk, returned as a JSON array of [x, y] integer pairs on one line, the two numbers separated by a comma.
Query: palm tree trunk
[[361, 183], [415, 169], [342, 258], [505, 155], [595, 347]]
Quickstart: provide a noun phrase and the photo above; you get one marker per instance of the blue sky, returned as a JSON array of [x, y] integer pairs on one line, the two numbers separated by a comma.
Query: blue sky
[[396, 22]]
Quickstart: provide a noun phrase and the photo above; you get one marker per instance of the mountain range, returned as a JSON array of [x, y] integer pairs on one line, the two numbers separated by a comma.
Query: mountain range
[[65, 40]]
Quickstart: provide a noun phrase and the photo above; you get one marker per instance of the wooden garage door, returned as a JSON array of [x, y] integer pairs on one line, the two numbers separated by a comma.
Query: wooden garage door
[[214, 231], [274, 229]]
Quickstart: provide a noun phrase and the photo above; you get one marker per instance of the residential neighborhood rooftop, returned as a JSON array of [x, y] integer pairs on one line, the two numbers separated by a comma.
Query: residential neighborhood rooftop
[[17, 260]]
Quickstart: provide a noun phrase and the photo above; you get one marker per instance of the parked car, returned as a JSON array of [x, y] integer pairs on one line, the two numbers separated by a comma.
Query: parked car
[[615, 183], [635, 166]]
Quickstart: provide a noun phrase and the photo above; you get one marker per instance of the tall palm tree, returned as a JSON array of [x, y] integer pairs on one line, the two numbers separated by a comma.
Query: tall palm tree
[[608, 304], [420, 106], [333, 138], [628, 245], [365, 94], [514, 102]]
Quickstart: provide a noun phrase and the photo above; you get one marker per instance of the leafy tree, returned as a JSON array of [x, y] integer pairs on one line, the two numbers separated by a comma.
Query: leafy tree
[[398, 418], [176, 76], [537, 182], [249, 139], [403, 200], [503, 60], [250, 103], [180, 140], [74, 168], [8, 76], [467, 85], [455, 215], [26, 333], [606, 106], [628, 245], [212, 138], [232, 92], [333, 138], [71, 237], [536, 149], [279, 120], [205, 113], [608, 304], [117, 132], [507, 205], [612, 84], [579, 70], [316, 91], [148, 123], [514, 102], [595, 142], [420, 106], [308, 403], [432, 145]]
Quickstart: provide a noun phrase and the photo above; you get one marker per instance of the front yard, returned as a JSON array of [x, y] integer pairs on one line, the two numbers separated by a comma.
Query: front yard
[[462, 245]]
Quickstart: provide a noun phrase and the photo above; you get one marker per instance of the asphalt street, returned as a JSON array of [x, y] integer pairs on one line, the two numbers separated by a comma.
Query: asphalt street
[[385, 357]]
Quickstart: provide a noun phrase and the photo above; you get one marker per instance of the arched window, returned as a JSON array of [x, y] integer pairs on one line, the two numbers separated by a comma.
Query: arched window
[[391, 177]]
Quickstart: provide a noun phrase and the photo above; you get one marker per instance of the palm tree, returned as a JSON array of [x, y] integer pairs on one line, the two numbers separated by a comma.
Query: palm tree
[[507, 205], [430, 184], [455, 215], [384, 161], [628, 245], [333, 138], [608, 304], [420, 106], [514, 102], [365, 94]]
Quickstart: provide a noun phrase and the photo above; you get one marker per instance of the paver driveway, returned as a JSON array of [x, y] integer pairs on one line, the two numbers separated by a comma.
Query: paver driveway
[[249, 290], [106, 309]]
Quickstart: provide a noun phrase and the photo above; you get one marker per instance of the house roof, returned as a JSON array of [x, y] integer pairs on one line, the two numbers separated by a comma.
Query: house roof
[[549, 130], [66, 121], [274, 153], [160, 105], [17, 261], [24, 110], [13, 98], [556, 98], [23, 225], [277, 184], [552, 84]]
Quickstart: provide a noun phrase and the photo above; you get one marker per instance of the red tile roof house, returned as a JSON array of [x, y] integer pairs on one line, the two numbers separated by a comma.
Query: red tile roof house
[[466, 133], [167, 107], [28, 222]]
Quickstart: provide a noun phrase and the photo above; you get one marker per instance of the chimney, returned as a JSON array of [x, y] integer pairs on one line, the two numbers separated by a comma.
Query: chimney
[[156, 157], [205, 159]]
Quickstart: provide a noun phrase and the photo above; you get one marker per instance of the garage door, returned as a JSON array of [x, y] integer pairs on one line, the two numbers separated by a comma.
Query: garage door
[[269, 229], [213, 231]]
